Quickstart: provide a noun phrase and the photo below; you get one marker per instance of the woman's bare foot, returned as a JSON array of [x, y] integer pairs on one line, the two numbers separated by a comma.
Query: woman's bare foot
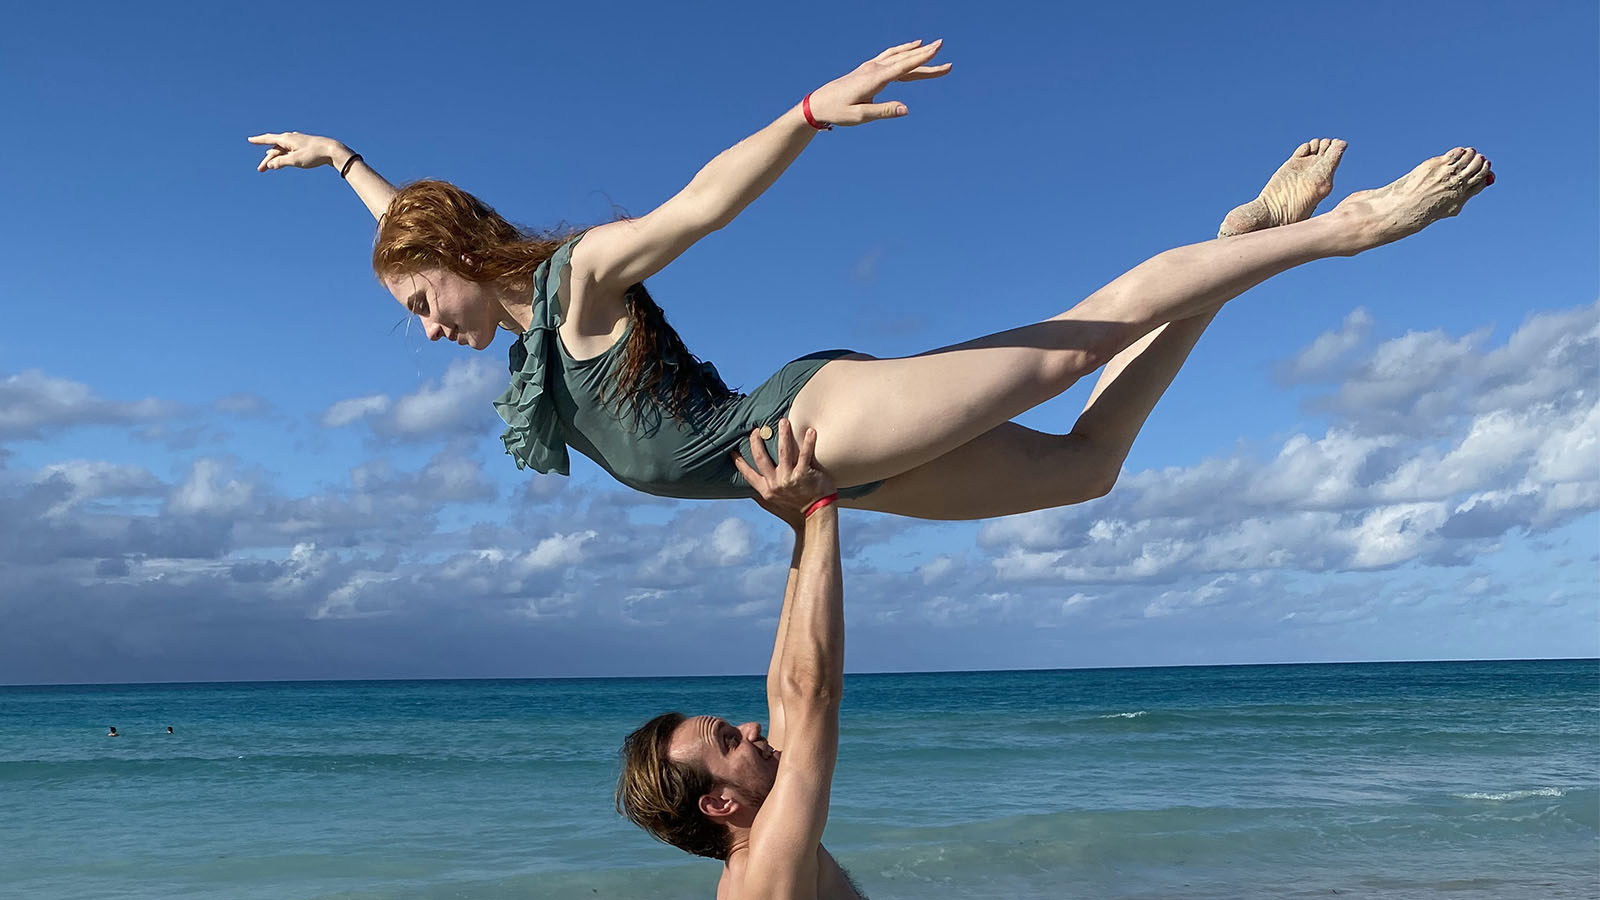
[[1435, 190], [1293, 192]]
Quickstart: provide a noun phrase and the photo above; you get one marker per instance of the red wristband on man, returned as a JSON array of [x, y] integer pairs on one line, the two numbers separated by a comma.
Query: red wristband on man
[[821, 502]]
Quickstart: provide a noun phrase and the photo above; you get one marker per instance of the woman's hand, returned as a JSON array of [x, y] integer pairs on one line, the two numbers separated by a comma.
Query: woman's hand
[[788, 488], [849, 100], [303, 151]]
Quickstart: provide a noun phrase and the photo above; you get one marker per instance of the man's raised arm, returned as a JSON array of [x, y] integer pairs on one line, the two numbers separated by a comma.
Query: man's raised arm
[[775, 717], [787, 832]]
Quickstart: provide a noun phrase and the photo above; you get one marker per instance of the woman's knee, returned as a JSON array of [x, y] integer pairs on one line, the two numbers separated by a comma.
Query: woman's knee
[[1092, 349], [1093, 472], [1060, 369], [1100, 481]]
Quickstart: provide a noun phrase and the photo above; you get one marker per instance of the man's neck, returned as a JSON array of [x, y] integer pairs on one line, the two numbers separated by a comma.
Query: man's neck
[[738, 840]]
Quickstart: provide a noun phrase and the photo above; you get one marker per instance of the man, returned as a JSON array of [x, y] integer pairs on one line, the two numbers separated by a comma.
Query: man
[[759, 803]]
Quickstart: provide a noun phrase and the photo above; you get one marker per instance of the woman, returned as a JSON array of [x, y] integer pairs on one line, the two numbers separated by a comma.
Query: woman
[[597, 367]]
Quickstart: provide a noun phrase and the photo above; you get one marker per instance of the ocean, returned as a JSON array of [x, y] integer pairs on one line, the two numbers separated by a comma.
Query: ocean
[[1389, 780]]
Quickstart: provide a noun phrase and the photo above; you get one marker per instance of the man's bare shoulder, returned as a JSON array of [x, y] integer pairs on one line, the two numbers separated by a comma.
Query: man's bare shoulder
[[833, 882]]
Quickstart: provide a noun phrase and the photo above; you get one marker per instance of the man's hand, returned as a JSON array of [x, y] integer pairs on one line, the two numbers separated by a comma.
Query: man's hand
[[794, 483]]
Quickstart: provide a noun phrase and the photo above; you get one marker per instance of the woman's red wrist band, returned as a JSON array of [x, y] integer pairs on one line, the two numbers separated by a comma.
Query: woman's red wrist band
[[805, 107], [821, 502]]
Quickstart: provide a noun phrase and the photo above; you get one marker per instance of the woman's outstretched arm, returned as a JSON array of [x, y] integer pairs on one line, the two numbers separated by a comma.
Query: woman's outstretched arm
[[620, 254], [308, 151]]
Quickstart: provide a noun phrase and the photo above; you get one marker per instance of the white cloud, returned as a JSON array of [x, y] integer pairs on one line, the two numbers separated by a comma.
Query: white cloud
[[209, 491], [1570, 451], [450, 478], [1330, 472], [730, 542], [1410, 386], [1390, 535], [563, 606], [354, 410], [764, 584], [363, 595], [1023, 565], [647, 607], [462, 400], [32, 402], [555, 551], [1177, 600], [1320, 358], [936, 570], [669, 564], [306, 566], [1564, 502], [94, 479], [1552, 355]]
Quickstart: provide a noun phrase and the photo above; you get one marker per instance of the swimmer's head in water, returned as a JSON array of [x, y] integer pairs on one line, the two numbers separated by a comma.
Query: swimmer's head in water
[[683, 779]]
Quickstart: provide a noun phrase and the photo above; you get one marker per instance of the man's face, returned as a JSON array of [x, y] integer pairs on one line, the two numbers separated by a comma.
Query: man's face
[[738, 757]]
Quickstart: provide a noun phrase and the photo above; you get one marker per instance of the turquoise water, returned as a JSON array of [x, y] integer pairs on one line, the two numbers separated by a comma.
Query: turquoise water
[[1436, 780]]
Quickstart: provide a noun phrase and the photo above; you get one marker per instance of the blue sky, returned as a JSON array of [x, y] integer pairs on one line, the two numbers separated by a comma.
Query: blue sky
[[1386, 457]]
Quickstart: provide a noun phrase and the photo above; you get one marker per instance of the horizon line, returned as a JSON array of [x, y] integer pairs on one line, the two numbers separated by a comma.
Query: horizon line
[[1358, 662]]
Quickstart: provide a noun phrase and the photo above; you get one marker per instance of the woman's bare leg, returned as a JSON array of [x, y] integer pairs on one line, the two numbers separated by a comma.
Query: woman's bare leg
[[1130, 384], [1013, 469], [880, 418]]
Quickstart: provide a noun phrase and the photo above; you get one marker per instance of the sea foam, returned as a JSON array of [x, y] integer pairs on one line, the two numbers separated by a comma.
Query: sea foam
[[1515, 795]]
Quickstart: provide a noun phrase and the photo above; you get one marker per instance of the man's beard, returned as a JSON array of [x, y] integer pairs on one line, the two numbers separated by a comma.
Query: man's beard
[[752, 791]]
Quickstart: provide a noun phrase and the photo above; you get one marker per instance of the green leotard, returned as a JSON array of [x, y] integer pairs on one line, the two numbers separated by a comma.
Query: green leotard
[[555, 401]]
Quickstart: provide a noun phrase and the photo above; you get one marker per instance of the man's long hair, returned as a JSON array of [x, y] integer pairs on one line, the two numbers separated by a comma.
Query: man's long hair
[[662, 796]]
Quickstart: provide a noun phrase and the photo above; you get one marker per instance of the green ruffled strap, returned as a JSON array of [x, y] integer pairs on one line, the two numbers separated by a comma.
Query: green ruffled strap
[[533, 433]]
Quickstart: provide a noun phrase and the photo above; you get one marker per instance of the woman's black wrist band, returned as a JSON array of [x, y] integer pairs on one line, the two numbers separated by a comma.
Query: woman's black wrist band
[[348, 163]]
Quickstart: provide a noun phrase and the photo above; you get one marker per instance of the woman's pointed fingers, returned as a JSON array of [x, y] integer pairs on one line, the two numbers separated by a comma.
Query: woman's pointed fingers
[[921, 72], [871, 112], [910, 59], [898, 48]]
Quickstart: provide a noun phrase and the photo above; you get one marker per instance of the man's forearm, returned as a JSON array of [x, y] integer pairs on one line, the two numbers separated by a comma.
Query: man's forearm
[[777, 720], [743, 172], [813, 650], [774, 665]]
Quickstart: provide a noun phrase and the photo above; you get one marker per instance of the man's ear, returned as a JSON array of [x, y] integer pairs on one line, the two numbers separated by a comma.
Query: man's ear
[[719, 804]]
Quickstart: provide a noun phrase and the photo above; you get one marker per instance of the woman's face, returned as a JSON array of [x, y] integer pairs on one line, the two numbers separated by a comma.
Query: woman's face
[[449, 306]]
